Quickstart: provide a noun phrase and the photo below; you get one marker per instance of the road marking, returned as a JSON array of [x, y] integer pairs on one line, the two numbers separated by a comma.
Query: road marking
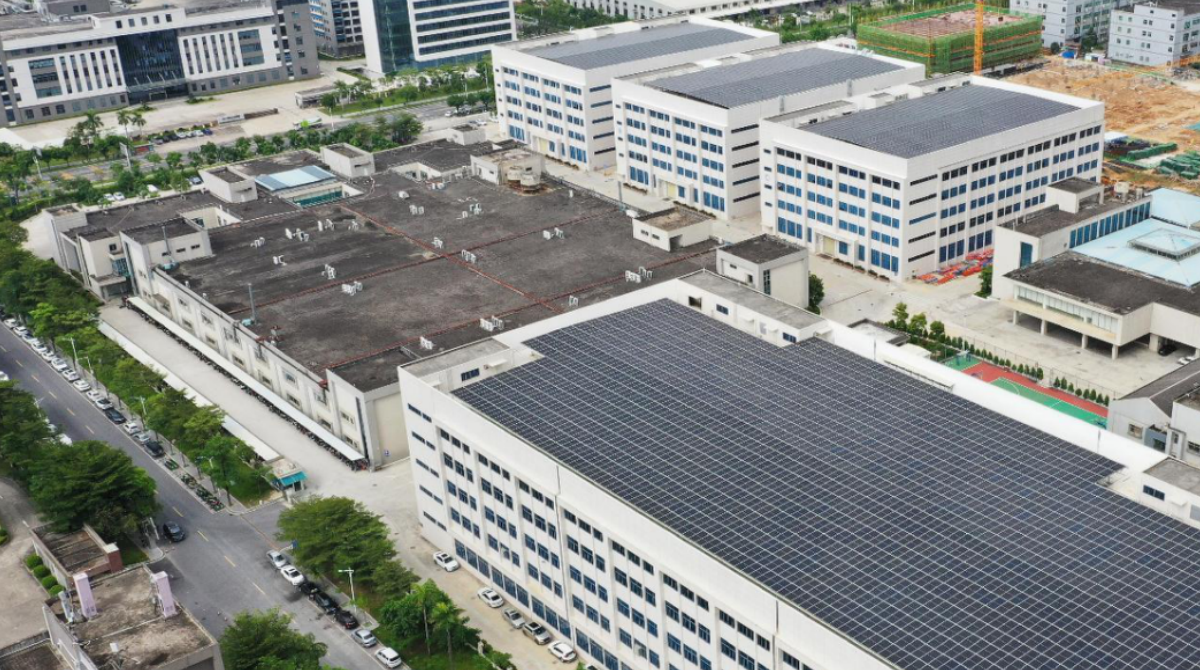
[[71, 411], [35, 378], [259, 588], [90, 430], [3, 348], [178, 512], [52, 394], [20, 363], [201, 533], [230, 561]]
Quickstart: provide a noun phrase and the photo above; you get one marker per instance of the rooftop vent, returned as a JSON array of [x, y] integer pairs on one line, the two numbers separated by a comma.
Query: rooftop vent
[[1168, 244]]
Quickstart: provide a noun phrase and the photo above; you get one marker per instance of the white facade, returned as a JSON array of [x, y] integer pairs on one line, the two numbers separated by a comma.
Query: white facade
[[1070, 20], [1155, 33], [904, 217], [565, 111], [704, 155], [622, 588], [649, 9], [60, 71]]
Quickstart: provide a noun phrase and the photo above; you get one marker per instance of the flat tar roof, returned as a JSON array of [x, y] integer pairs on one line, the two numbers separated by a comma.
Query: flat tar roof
[[930, 530], [769, 77], [1110, 287], [645, 44], [930, 123], [412, 288], [761, 249], [1051, 219]]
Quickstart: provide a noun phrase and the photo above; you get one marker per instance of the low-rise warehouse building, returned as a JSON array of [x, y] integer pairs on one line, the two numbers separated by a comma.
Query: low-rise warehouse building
[[690, 133], [555, 93], [315, 305], [906, 181], [1125, 275]]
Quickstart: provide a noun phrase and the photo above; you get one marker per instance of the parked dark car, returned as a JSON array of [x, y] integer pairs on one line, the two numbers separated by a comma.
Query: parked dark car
[[308, 588], [325, 602], [1166, 348], [114, 416], [346, 619], [154, 448], [174, 532]]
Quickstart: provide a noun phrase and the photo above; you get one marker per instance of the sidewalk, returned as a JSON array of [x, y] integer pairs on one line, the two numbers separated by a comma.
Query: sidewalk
[[388, 492]]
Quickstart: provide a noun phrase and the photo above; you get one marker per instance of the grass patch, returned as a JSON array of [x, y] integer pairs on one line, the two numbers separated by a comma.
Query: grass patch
[[131, 554], [249, 487]]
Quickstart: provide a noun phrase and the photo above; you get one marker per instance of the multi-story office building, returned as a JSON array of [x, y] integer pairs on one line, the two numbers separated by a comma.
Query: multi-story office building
[[690, 133], [400, 34], [1069, 21], [110, 59], [903, 182], [338, 26], [555, 93], [697, 477], [1155, 33]]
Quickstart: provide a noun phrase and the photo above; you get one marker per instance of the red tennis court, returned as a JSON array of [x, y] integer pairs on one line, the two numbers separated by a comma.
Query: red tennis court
[[1051, 397]]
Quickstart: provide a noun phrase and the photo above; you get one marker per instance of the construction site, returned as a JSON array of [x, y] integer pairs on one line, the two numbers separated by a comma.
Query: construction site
[[1159, 114], [943, 40]]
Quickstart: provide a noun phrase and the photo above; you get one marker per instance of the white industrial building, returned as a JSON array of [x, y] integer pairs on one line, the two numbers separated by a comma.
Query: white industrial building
[[1069, 21], [689, 133], [1155, 33], [649, 9], [909, 180], [555, 93], [664, 481], [98, 57], [1127, 275]]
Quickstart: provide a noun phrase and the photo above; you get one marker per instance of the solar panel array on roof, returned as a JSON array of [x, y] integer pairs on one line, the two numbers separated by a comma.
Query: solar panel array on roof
[[930, 123], [770, 77], [932, 531], [637, 45]]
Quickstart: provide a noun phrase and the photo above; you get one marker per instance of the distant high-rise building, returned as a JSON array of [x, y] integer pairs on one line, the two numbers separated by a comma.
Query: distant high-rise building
[[399, 34]]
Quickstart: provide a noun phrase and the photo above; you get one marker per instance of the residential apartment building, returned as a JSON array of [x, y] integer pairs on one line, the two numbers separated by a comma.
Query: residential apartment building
[[555, 94], [59, 66], [338, 27], [1155, 33], [689, 133], [1069, 21], [401, 34], [679, 478], [906, 181]]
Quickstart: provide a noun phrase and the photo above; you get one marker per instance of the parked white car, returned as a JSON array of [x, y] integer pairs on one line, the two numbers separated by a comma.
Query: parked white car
[[81, 385], [513, 617], [490, 598], [277, 559], [3, 376], [1189, 359], [11, 323], [445, 561], [562, 651], [70, 375], [59, 364], [294, 576], [132, 427], [389, 658]]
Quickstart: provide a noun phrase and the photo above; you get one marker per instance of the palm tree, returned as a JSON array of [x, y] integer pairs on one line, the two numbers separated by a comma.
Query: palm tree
[[138, 119], [447, 618], [427, 595], [343, 90], [124, 118]]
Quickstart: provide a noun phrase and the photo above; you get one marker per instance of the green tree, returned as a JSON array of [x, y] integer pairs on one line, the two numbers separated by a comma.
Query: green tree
[[392, 581], [329, 101], [24, 434], [916, 325], [900, 316], [266, 641], [91, 482], [985, 282], [86, 134], [174, 160], [504, 661], [449, 623], [937, 330], [51, 322], [816, 293], [336, 534], [410, 615]]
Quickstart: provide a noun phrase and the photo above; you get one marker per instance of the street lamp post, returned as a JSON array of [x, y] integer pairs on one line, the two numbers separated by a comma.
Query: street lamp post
[[353, 602], [74, 352]]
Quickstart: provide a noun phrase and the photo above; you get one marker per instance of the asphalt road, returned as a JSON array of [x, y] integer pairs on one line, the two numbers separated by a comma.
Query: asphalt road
[[221, 568]]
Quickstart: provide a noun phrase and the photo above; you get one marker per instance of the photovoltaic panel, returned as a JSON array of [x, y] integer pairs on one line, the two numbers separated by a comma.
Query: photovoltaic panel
[[766, 78], [933, 532], [637, 45], [916, 127]]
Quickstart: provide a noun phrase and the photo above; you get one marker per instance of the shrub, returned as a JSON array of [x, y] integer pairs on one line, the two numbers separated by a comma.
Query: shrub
[[49, 582], [41, 572], [56, 589], [32, 561]]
